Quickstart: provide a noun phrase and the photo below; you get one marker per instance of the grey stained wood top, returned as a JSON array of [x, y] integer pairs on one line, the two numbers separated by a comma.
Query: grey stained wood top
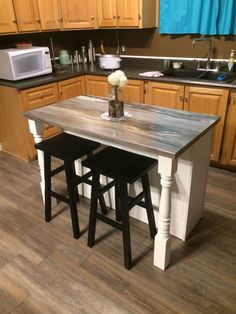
[[150, 130]]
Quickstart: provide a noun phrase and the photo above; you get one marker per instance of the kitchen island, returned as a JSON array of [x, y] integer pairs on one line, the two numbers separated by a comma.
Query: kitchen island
[[180, 140]]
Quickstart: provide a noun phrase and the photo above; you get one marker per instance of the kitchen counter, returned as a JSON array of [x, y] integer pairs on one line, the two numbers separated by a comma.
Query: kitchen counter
[[132, 67]]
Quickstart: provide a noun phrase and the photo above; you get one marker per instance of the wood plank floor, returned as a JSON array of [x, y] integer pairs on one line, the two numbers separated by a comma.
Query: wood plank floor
[[44, 270]]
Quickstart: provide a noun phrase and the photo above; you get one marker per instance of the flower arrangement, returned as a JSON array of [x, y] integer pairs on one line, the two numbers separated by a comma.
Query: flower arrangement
[[118, 79], [116, 106]]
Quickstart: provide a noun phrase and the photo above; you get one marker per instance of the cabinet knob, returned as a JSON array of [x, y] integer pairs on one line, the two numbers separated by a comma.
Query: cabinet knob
[[181, 98], [14, 21], [38, 20], [114, 17], [118, 17], [186, 99], [60, 92], [92, 17]]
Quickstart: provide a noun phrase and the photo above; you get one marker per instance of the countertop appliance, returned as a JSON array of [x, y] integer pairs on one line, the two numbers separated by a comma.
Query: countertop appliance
[[109, 62], [17, 64]]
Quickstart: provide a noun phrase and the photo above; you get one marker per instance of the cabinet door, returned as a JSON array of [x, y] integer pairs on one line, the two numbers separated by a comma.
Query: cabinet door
[[78, 13], [128, 13], [212, 101], [27, 15], [7, 17], [164, 95], [71, 88], [106, 13], [41, 96], [49, 14], [134, 91], [97, 85], [229, 140]]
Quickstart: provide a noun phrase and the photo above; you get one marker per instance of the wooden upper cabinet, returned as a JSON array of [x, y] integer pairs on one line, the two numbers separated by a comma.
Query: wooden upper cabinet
[[229, 141], [106, 13], [7, 17], [50, 16], [27, 15], [164, 95], [126, 13], [78, 14], [212, 101]]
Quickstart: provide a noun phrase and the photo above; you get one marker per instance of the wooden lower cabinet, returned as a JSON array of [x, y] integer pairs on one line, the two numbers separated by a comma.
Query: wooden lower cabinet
[[192, 98], [99, 86], [71, 88], [164, 95], [211, 101], [134, 91], [16, 138], [96, 85], [229, 140]]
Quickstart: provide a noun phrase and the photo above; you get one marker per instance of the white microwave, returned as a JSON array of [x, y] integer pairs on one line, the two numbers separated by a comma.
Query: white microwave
[[17, 64]]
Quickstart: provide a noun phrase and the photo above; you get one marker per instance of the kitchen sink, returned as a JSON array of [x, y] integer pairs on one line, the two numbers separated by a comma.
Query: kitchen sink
[[217, 76], [188, 73], [200, 75]]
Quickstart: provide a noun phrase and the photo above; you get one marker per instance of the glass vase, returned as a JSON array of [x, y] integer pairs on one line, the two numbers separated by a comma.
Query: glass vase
[[116, 103]]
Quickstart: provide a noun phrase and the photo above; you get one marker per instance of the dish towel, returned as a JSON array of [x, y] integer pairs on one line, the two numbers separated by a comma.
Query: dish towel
[[152, 74]]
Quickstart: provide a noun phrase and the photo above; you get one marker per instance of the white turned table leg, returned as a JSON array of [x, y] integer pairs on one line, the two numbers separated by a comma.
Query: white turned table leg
[[37, 128], [166, 167]]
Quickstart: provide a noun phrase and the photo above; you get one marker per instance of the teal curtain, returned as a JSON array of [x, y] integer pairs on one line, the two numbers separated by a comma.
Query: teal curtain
[[207, 17], [227, 17]]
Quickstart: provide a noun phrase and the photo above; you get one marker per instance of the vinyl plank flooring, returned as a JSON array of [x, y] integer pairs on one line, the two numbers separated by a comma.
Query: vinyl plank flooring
[[43, 269]]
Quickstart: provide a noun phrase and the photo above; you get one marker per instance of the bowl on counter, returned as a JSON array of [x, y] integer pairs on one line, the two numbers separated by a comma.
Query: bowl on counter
[[177, 65]]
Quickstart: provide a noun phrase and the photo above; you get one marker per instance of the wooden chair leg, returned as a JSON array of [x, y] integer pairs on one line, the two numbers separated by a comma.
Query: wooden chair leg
[[48, 186], [102, 202], [149, 207], [117, 201], [72, 194], [125, 223], [93, 209]]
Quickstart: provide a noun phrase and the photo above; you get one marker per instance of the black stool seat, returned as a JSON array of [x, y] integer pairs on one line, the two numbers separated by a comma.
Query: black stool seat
[[67, 148], [123, 167], [119, 164]]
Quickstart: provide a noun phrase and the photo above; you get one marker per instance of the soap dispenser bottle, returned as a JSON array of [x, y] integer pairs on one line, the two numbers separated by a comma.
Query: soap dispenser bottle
[[231, 61]]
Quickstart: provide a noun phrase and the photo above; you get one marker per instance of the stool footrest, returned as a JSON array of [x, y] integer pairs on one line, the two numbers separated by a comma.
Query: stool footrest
[[84, 178], [109, 221], [57, 170], [136, 200], [60, 197], [107, 187]]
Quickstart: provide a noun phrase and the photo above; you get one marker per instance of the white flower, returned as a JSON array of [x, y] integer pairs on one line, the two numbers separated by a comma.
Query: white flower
[[119, 73], [118, 78], [113, 79], [123, 81]]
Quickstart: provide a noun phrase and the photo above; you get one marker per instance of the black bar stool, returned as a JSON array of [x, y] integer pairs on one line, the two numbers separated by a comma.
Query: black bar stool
[[67, 148], [123, 167]]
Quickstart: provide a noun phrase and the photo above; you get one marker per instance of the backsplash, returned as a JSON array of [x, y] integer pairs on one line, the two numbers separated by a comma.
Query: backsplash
[[146, 42]]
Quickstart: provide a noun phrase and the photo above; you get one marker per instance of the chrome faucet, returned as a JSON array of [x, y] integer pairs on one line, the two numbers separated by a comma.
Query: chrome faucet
[[208, 66]]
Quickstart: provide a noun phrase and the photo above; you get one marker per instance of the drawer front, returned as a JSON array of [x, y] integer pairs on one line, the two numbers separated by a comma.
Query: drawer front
[[40, 96]]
